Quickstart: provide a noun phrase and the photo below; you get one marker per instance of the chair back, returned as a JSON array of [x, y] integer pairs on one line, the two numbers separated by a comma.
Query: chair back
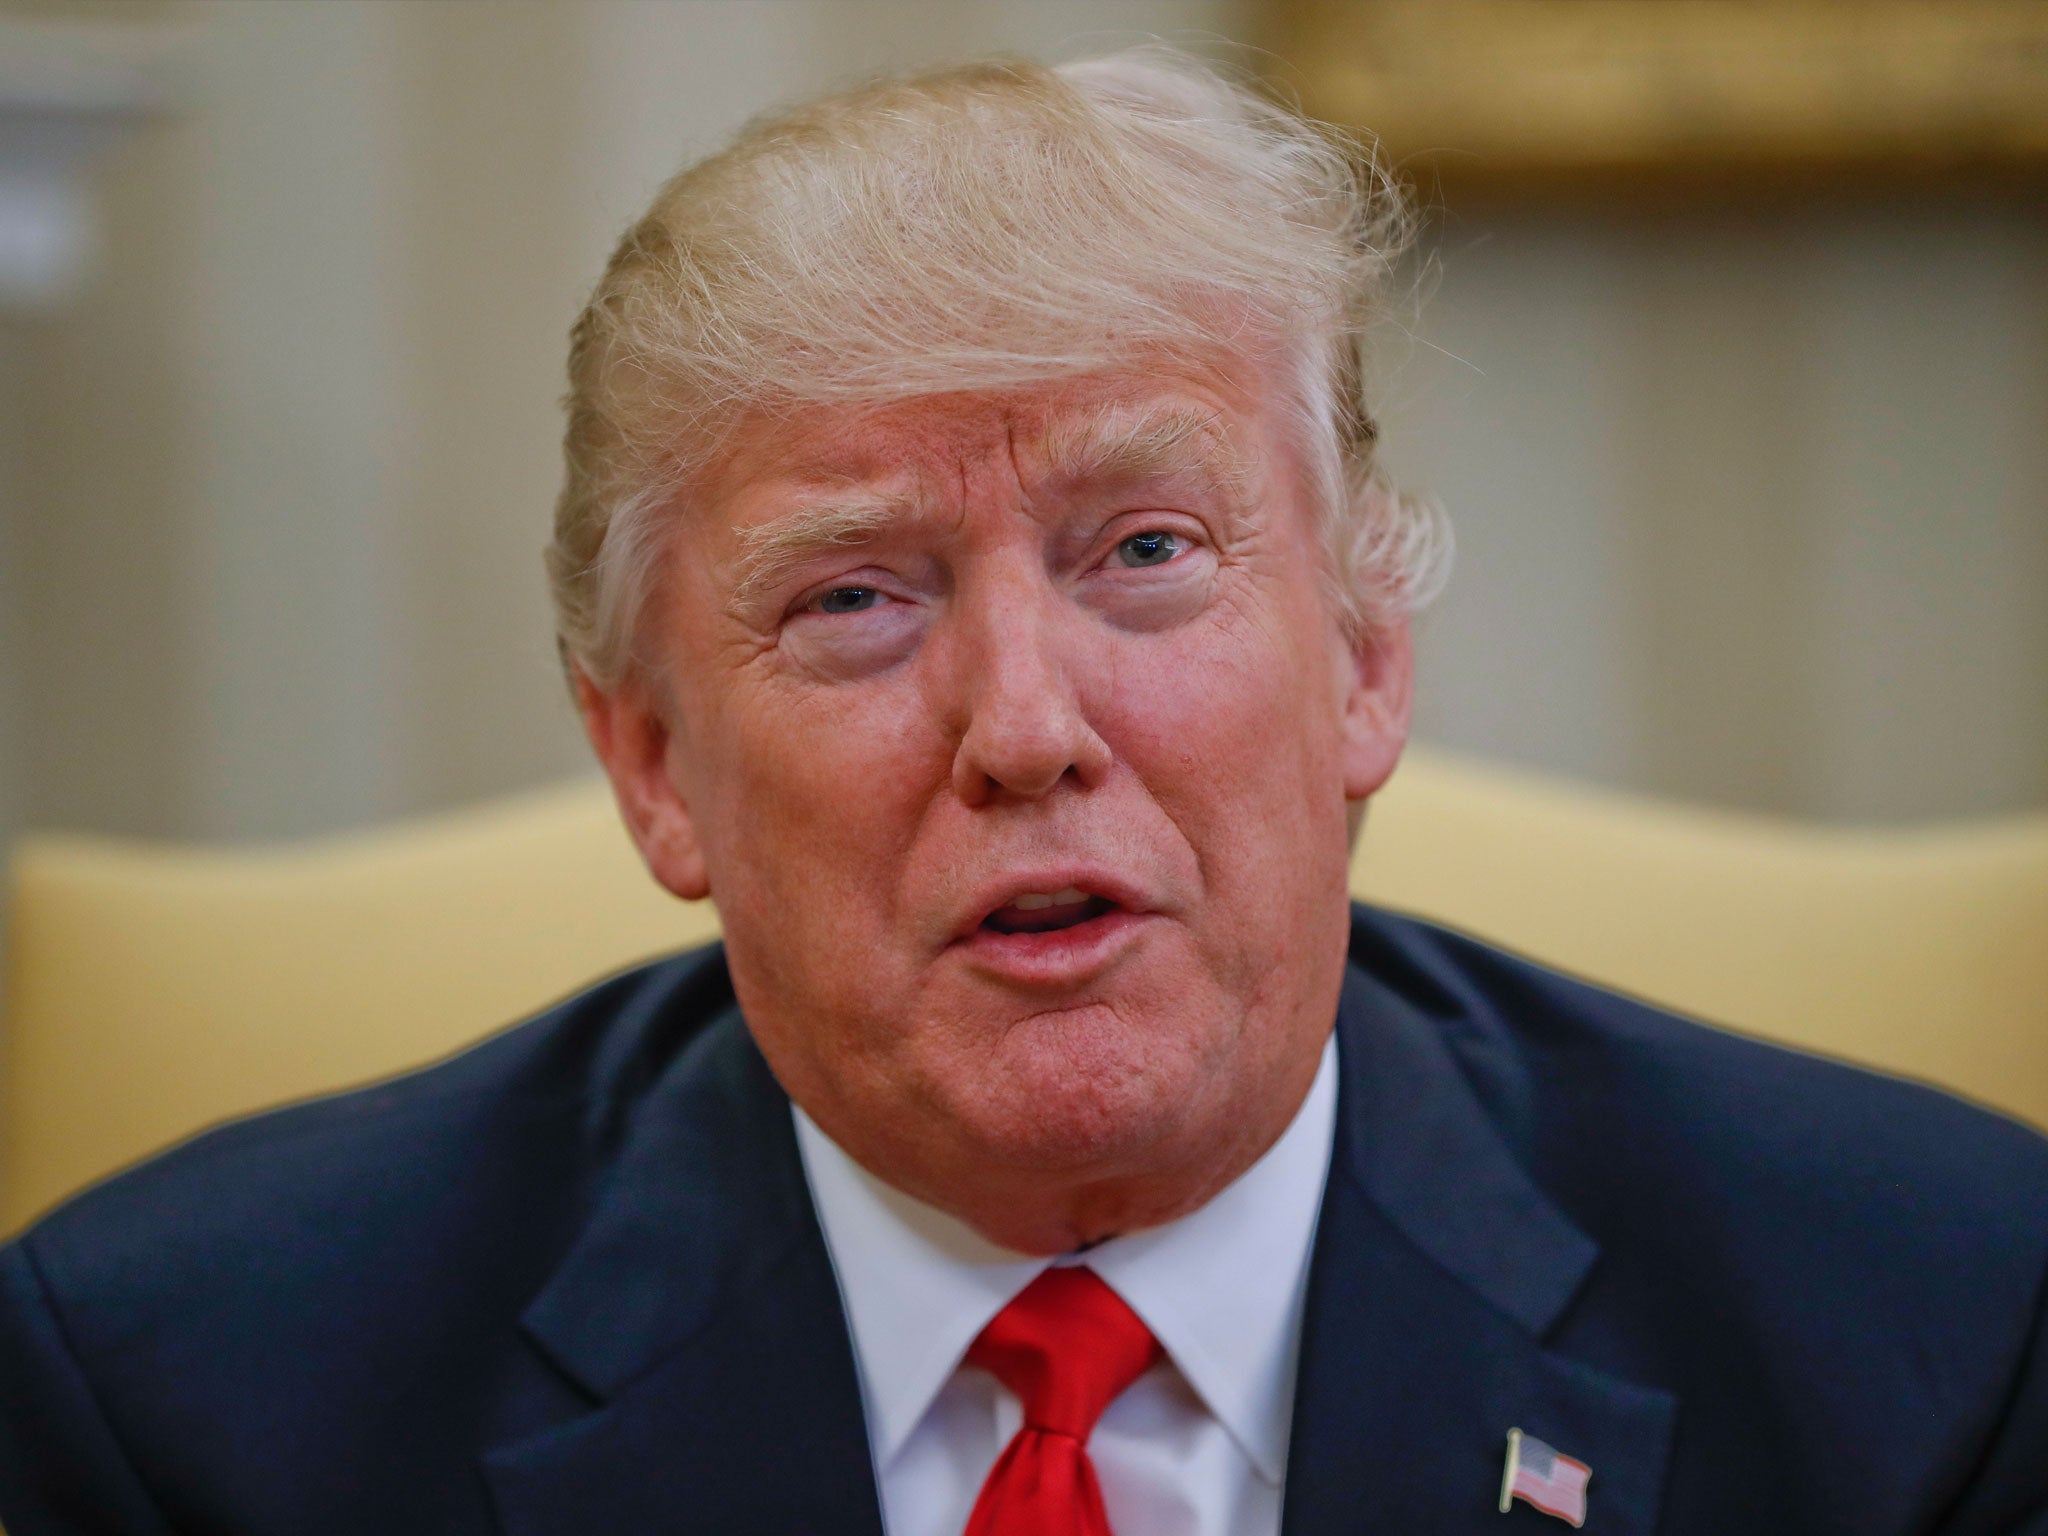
[[154, 990]]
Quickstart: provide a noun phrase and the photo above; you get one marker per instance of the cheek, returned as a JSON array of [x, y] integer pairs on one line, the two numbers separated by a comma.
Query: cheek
[[818, 795], [1234, 729], [1239, 708]]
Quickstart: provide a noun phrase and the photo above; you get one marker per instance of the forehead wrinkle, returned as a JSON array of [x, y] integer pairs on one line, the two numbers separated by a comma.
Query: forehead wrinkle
[[768, 551], [1119, 445]]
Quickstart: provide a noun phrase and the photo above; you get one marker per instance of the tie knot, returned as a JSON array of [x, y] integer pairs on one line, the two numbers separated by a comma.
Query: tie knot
[[1066, 1345]]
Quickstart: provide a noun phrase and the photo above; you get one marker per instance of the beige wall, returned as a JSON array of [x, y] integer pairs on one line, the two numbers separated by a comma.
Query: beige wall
[[1752, 507]]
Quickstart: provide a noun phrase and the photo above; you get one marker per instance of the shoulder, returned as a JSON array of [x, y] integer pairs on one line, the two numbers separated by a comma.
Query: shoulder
[[1539, 1044], [1650, 1129], [486, 1153], [158, 1332], [1839, 1275]]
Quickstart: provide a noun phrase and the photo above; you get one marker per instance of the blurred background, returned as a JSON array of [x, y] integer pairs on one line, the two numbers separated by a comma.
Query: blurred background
[[1726, 346]]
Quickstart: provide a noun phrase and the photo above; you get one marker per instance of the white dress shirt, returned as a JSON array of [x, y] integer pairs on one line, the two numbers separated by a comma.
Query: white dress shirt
[[1195, 1447]]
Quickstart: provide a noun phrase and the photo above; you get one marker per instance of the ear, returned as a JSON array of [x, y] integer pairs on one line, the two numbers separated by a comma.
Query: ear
[[634, 739], [1380, 688]]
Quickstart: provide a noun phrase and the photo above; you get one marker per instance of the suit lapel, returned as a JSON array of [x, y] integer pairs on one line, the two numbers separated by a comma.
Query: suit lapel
[[1438, 1270], [699, 1314]]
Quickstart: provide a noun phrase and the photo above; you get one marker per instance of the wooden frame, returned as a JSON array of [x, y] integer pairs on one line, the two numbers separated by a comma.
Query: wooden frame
[[1496, 95]]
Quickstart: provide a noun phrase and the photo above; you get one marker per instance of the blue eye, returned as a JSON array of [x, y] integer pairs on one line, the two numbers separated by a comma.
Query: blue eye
[[1152, 548], [848, 600]]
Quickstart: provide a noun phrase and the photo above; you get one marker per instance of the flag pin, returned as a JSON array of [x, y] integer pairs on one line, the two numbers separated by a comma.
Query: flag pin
[[1545, 1478]]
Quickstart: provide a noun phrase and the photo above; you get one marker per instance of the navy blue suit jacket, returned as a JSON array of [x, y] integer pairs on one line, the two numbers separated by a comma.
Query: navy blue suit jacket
[[571, 1281]]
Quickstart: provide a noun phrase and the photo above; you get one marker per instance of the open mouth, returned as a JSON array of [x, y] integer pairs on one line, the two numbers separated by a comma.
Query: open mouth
[[1049, 912]]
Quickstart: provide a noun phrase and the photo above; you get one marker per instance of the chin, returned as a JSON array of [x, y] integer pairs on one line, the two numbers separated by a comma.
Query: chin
[[1081, 1091]]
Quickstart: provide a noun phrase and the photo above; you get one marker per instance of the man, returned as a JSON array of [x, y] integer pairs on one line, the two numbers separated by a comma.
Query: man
[[973, 572]]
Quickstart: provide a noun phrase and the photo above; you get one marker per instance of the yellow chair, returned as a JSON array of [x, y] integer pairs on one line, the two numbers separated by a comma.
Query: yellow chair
[[152, 991]]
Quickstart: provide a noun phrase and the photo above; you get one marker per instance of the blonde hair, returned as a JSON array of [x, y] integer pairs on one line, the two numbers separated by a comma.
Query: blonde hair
[[986, 226]]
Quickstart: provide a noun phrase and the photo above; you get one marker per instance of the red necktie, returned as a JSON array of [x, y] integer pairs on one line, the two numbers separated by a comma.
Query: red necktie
[[1066, 1345]]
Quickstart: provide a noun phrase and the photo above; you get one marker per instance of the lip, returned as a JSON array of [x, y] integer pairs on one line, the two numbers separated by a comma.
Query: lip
[[1061, 957], [1090, 880]]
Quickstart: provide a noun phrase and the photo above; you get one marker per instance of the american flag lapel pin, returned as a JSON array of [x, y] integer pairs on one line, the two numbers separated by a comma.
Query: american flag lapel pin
[[1545, 1478]]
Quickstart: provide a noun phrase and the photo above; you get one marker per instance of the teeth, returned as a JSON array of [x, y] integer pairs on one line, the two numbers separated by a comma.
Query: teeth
[[1032, 901]]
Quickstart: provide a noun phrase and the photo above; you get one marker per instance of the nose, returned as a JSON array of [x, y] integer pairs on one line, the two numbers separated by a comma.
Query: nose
[[1026, 730]]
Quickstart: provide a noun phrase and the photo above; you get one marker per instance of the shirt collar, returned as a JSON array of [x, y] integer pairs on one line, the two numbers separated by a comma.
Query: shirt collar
[[1221, 1289]]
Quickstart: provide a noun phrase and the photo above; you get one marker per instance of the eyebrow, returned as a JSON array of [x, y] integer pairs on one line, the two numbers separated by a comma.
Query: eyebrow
[[1119, 447], [771, 550]]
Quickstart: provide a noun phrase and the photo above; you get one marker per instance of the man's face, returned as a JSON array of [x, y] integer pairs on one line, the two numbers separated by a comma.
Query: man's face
[[1013, 734]]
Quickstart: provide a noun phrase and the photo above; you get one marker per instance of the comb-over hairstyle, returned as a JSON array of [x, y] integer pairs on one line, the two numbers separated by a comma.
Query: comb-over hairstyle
[[987, 226]]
